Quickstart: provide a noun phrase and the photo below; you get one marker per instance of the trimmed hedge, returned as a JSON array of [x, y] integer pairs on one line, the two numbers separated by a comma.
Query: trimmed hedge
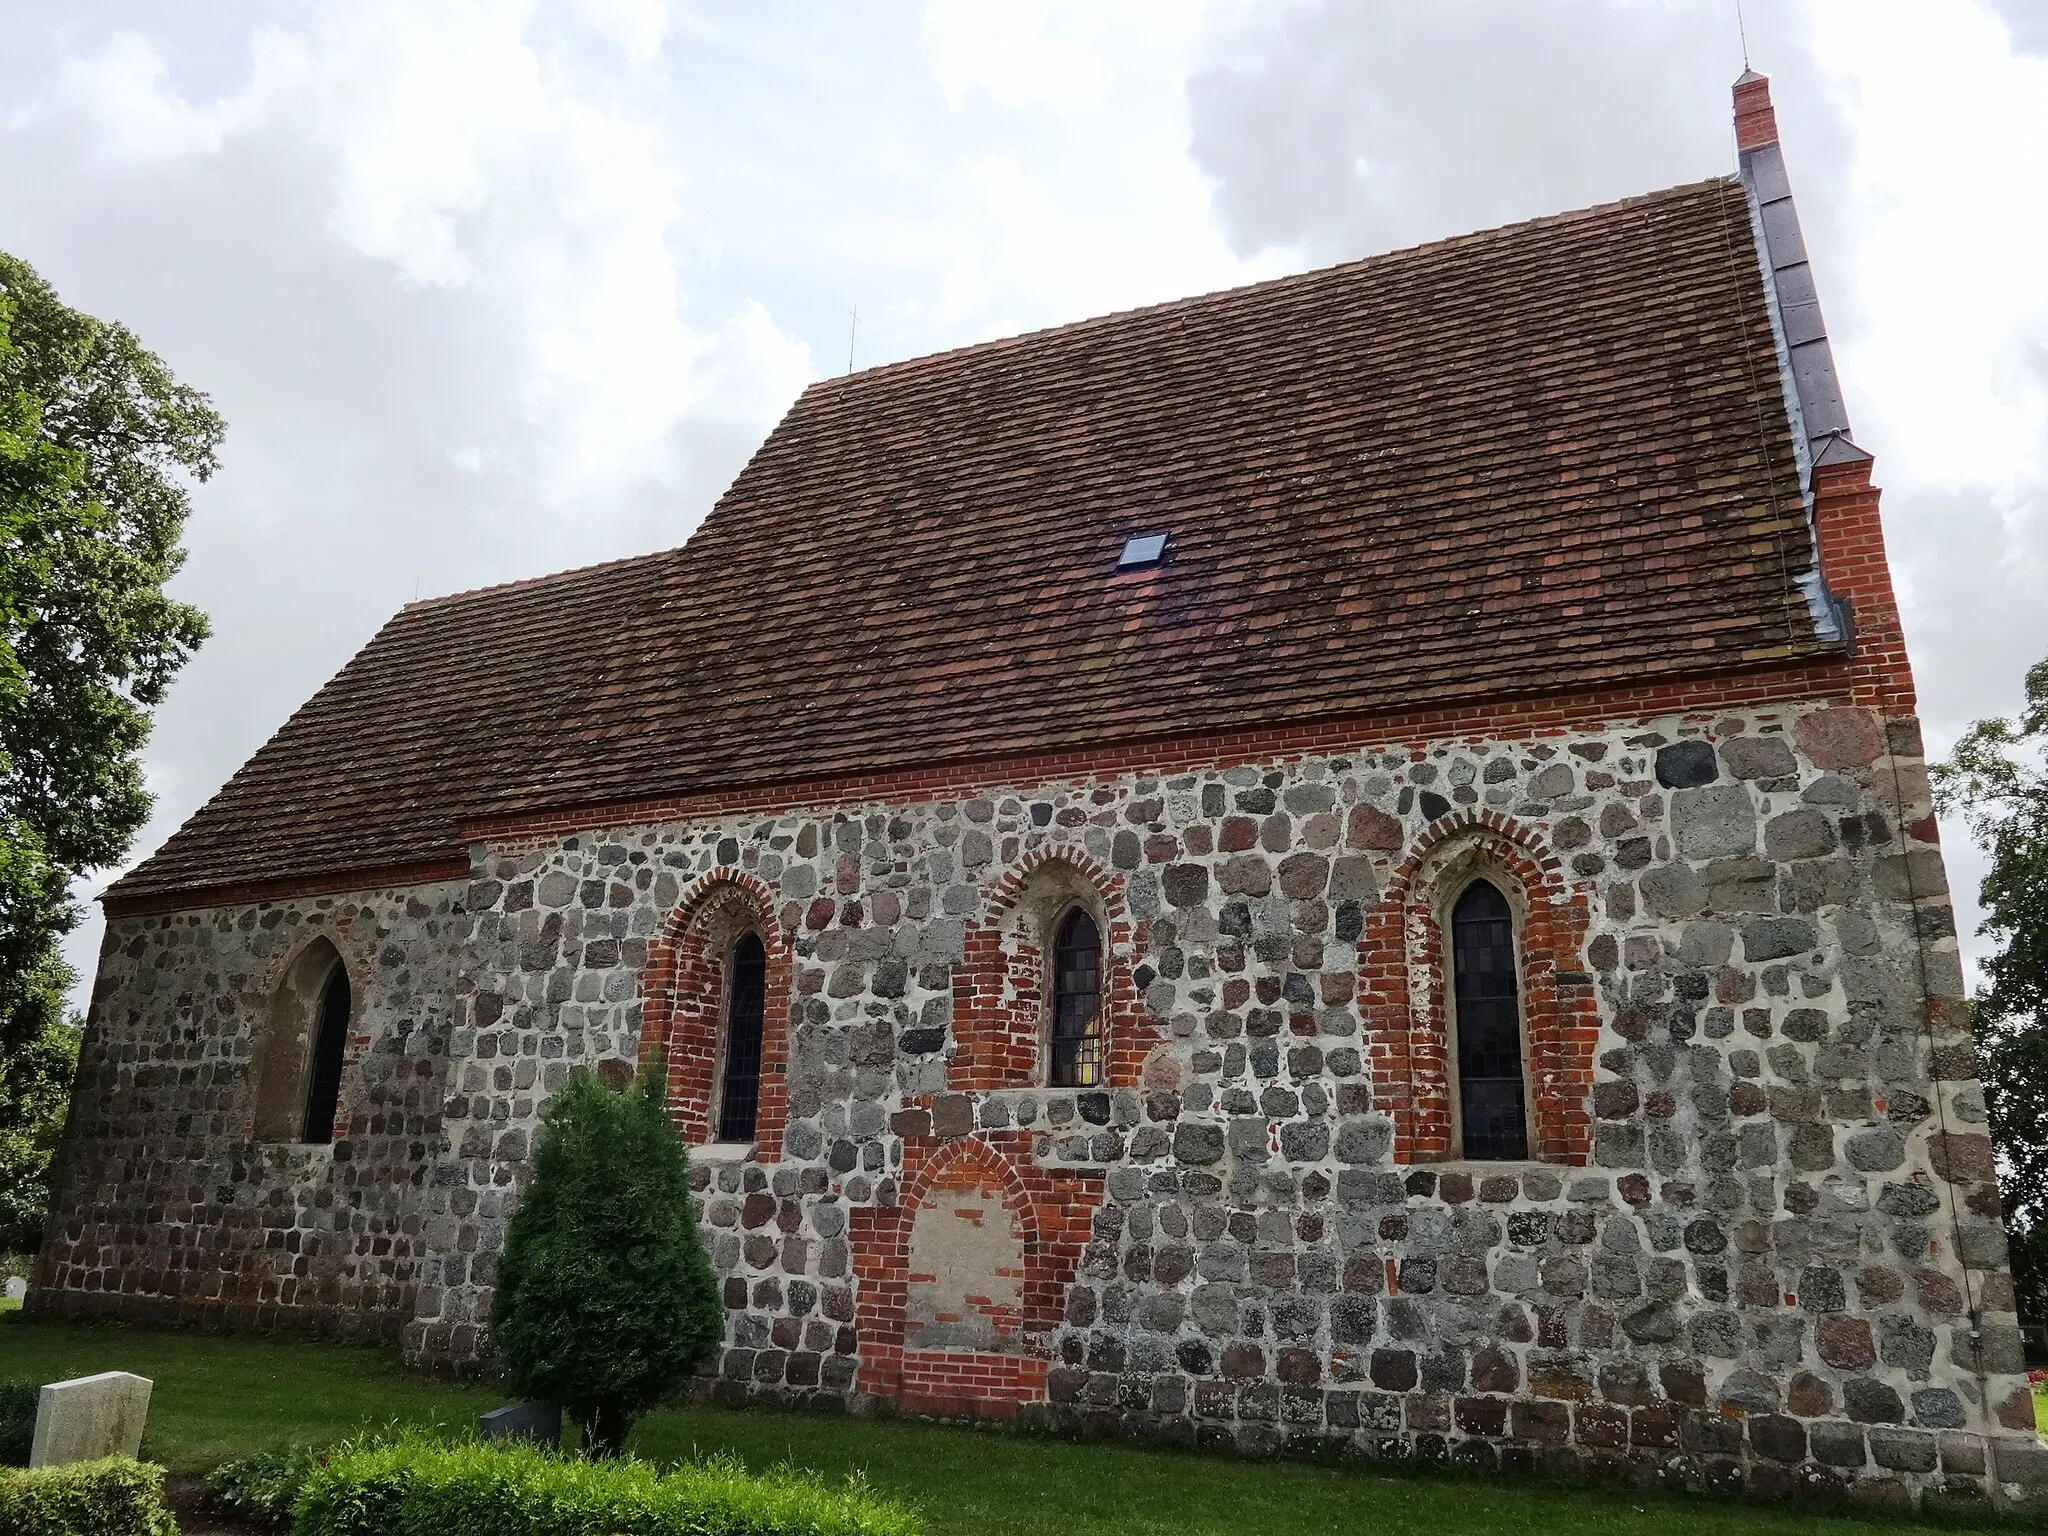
[[417, 1487], [114, 1497]]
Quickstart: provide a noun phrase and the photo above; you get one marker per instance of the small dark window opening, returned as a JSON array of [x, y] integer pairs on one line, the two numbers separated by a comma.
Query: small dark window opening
[[1490, 1098], [740, 1100], [330, 1042], [1076, 1003]]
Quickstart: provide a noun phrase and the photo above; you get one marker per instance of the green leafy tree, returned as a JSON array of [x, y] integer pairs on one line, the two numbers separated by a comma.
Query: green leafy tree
[[1998, 779], [605, 1297], [35, 1094], [98, 447]]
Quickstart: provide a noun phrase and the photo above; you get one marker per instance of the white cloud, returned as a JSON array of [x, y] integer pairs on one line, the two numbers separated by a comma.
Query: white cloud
[[487, 289], [121, 98], [435, 265], [454, 150], [1951, 186], [636, 27], [1071, 191], [1027, 53]]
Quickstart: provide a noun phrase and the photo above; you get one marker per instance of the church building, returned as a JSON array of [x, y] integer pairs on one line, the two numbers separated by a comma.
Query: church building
[[1344, 861]]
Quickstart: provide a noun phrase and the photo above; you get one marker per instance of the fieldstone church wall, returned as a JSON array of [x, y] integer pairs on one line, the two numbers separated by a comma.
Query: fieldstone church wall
[[1760, 1243], [168, 1206]]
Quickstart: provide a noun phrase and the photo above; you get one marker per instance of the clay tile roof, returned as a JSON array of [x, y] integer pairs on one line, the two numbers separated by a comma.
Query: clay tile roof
[[1545, 459]]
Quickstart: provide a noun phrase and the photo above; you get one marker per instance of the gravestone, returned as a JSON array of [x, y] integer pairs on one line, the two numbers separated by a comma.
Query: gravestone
[[90, 1417], [17, 1288], [535, 1420]]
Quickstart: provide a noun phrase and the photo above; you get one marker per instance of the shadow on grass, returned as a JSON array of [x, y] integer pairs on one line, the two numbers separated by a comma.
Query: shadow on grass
[[217, 1397], [979, 1480]]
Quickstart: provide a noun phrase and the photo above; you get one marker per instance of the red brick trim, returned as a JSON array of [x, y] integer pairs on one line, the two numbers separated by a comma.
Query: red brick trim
[[1055, 1211], [999, 990], [682, 992], [1826, 680], [959, 1384], [1853, 564], [1403, 983], [341, 882]]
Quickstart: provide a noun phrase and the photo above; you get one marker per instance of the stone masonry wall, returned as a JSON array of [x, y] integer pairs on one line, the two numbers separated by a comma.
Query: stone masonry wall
[[1762, 1263], [167, 1208], [1762, 1246]]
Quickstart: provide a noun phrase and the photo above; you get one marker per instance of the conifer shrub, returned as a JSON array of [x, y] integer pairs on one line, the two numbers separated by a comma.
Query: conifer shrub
[[605, 1296], [420, 1487], [112, 1497]]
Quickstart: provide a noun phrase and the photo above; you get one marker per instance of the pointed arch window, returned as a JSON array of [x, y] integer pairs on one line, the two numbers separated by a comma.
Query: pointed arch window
[[1075, 1054], [1492, 1090], [323, 1067], [739, 1099]]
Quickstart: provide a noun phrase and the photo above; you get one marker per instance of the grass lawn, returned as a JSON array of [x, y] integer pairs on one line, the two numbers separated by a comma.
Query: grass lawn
[[218, 1397], [215, 1397]]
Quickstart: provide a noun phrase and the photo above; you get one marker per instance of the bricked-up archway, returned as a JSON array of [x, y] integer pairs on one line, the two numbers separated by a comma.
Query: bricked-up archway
[[1406, 979], [999, 989], [990, 1180], [683, 1003]]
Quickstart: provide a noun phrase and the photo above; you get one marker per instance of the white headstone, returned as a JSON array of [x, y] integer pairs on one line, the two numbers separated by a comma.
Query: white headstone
[[91, 1417], [16, 1287]]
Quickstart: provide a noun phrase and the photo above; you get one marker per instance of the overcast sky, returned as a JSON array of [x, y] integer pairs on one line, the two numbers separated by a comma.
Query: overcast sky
[[486, 290]]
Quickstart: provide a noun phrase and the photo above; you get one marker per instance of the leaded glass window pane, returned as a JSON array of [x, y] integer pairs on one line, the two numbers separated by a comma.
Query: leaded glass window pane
[[1077, 1003], [740, 1099], [1484, 976]]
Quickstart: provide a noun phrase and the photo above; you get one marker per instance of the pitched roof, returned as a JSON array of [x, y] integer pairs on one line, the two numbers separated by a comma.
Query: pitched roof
[[1540, 460]]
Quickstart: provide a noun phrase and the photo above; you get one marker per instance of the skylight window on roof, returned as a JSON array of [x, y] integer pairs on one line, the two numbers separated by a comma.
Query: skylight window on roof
[[1145, 549]]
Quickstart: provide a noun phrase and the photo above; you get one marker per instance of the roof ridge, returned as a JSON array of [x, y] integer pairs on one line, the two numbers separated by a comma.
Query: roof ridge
[[1163, 306], [541, 580]]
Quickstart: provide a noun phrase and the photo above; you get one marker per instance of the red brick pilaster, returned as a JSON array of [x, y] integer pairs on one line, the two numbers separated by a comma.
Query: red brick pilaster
[[1852, 562], [682, 1011]]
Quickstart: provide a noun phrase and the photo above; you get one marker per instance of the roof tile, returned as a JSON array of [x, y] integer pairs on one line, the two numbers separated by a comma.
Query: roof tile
[[1539, 460]]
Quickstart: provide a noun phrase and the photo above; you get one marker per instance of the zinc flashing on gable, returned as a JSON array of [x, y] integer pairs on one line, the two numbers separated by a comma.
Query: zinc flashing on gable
[[1806, 361]]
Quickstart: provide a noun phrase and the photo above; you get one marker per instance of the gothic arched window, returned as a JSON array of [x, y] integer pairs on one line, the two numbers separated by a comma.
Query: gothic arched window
[[323, 1068], [1492, 1107], [1075, 1054], [739, 1098]]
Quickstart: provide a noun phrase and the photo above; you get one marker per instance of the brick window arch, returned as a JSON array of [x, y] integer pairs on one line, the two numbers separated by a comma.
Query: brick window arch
[[1412, 1007], [1009, 990], [301, 1050], [715, 1004]]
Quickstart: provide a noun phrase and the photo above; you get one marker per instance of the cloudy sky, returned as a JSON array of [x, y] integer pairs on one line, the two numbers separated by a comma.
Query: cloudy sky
[[489, 289]]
